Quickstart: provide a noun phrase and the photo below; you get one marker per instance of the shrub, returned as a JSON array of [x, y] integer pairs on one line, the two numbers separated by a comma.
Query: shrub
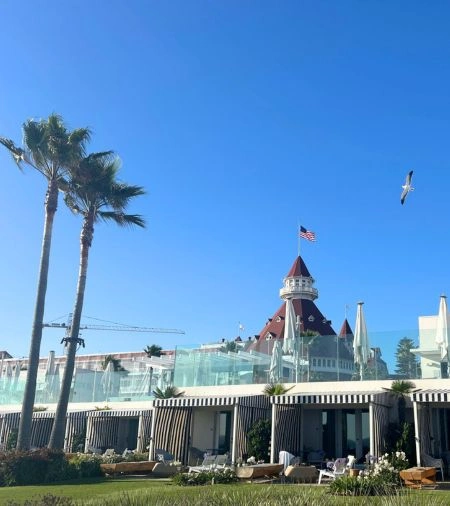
[[382, 479], [205, 478], [258, 438], [32, 467], [45, 500], [85, 465]]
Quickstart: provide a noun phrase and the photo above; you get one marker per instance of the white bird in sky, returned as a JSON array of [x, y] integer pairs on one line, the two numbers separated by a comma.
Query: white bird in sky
[[406, 187]]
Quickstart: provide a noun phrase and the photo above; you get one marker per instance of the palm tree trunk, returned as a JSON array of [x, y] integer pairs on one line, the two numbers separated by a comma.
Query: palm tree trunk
[[24, 435], [58, 430]]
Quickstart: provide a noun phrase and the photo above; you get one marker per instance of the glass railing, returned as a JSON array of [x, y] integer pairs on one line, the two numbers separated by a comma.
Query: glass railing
[[403, 354]]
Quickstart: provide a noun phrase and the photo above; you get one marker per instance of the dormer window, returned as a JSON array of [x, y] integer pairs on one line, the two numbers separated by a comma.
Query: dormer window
[[311, 318]]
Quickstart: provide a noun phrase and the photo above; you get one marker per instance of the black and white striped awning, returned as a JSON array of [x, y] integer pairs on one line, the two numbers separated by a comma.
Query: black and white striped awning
[[117, 413], [327, 398], [190, 402], [431, 396]]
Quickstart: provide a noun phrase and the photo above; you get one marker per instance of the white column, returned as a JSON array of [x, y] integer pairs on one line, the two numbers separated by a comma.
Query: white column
[[151, 447], [272, 434], [233, 442], [416, 430]]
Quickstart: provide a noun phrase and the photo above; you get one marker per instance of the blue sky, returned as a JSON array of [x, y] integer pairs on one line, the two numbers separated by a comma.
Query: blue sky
[[242, 120]]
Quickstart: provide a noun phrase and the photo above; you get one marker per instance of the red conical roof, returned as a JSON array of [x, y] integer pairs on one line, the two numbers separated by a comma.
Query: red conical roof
[[345, 329], [298, 269]]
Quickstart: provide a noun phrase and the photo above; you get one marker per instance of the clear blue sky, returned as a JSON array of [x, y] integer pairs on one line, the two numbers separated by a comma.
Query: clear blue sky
[[242, 119]]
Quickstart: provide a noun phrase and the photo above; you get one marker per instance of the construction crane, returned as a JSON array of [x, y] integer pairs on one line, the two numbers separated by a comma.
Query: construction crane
[[116, 327]]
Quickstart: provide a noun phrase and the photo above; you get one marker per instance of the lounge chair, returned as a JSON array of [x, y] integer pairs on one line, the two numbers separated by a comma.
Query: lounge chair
[[221, 462], [438, 464], [207, 465], [339, 467], [163, 456]]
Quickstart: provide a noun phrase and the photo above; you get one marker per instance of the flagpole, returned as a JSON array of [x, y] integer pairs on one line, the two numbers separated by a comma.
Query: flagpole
[[298, 239]]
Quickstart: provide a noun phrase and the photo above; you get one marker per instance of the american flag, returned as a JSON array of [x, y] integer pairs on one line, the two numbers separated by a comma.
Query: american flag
[[307, 234]]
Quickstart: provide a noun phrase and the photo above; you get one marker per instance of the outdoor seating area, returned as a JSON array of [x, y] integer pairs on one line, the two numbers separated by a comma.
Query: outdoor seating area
[[211, 463]]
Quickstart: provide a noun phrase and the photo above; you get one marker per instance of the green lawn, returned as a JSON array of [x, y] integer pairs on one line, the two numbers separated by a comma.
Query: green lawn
[[139, 491]]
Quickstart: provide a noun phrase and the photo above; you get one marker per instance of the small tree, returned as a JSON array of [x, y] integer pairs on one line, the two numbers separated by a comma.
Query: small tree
[[258, 439], [153, 350], [115, 362], [275, 389], [229, 346], [168, 393], [408, 365]]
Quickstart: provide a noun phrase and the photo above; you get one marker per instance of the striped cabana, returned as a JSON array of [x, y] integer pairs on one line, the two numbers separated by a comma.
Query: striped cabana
[[426, 404], [8, 423], [75, 425], [288, 410], [104, 428], [173, 419], [41, 428]]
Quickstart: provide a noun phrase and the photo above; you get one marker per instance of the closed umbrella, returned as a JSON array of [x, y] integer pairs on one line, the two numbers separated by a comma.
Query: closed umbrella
[[442, 328], [289, 328], [50, 366], [276, 363], [53, 390], [8, 376], [16, 375], [108, 380], [361, 348]]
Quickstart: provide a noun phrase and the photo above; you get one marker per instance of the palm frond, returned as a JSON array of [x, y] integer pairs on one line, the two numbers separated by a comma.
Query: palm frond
[[17, 153], [121, 219]]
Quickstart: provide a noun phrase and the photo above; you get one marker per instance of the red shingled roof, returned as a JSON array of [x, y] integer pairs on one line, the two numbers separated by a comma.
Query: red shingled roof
[[298, 269], [345, 329], [311, 319]]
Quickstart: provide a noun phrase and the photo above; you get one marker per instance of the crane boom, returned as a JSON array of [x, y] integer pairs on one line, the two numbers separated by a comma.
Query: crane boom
[[116, 328]]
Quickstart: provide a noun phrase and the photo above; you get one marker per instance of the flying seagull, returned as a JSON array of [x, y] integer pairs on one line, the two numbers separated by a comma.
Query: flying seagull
[[406, 187]]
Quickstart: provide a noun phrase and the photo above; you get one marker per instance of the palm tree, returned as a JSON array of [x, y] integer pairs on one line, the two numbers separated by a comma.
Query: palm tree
[[94, 192], [401, 388], [168, 393], [50, 149], [117, 366], [153, 351], [275, 389]]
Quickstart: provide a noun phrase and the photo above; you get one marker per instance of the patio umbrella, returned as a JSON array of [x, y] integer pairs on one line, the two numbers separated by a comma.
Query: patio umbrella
[[54, 386], [108, 380], [289, 328], [442, 328], [16, 375], [276, 363], [361, 348], [50, 366], [8, 376]]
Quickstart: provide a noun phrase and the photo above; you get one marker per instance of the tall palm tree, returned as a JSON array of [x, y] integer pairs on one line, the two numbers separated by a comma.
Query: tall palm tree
[[96, 194], [51, 149]]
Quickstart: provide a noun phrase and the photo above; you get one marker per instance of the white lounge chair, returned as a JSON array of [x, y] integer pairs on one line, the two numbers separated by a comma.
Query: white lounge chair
[[207, 465], [429, 461], [339, 467]]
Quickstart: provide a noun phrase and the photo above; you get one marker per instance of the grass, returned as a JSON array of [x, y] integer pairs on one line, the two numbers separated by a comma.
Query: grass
[[131, 491]]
